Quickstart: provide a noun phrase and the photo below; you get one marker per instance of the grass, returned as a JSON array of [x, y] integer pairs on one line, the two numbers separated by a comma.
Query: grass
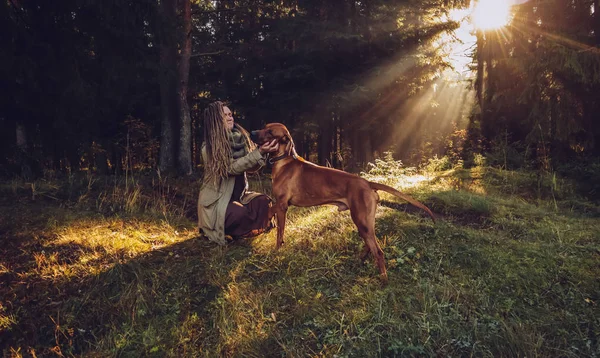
[[99, 268]]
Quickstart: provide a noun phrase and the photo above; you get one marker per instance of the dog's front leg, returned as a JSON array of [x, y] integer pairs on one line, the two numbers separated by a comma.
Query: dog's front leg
[[281, 212]]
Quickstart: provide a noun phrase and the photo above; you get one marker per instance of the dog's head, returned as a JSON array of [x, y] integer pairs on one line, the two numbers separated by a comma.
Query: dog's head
[[274, 131]]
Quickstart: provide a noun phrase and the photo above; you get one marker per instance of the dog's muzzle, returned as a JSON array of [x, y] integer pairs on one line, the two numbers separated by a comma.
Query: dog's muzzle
[[254, 136]]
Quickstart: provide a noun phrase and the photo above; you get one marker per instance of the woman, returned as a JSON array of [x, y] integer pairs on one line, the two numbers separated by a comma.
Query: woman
[[225, 208]]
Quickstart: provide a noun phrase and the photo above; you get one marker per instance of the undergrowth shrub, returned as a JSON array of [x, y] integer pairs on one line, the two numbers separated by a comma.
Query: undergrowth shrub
[[436, 164], [387, 166], [508, 156], [114, 195], [479, 160], [587, 176]]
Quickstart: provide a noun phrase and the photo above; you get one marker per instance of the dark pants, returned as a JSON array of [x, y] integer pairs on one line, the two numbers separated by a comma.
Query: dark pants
[[246, 220]]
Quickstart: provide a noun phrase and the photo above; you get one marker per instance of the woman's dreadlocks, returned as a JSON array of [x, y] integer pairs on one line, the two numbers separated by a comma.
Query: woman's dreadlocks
[[218, 147]]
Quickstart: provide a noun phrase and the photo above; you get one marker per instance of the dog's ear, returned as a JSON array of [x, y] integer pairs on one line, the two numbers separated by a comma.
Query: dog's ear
[[291, 146], [285, 139]]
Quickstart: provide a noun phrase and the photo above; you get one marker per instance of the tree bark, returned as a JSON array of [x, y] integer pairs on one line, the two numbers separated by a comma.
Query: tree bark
[[168, 102], [116, 159], [596, 21], [101, 161], [23, 151], [334, 161], [325, 140], [368, 148], [185, 121], [175, 53], [341, 134], [479, 84]]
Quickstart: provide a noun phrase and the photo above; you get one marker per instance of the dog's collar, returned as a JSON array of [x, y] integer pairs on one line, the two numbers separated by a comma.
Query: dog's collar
[[276, 159]]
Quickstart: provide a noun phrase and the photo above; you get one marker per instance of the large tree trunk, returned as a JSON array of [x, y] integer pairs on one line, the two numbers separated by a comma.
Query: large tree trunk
[[185, 122], [168, 101], [175, 53]]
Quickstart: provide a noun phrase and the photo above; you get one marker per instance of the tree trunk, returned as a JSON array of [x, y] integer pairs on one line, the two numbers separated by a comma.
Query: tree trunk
[[116, 159], [196, 131], [168, 101], [353, 17], [368, 148], [343, 162], [306, 145], [101, 161], [185, 121], [23, 151], [325, 140], [352, 134], [479, 84], [175, 53], [21, 137], [333, 155], [596, 21]]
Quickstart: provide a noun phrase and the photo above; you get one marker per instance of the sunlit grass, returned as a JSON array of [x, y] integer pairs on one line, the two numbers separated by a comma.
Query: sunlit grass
[[6, 321], [117, 236], [506, 271]]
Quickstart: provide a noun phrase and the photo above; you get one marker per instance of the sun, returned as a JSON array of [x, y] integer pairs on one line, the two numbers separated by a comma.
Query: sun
[[491, 14]]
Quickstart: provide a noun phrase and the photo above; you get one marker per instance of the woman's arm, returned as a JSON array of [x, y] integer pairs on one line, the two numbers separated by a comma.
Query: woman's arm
[[247, 162], [253, 160]]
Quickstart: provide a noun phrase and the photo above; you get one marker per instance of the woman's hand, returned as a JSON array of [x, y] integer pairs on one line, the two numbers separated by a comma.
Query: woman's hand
[[269, 147]]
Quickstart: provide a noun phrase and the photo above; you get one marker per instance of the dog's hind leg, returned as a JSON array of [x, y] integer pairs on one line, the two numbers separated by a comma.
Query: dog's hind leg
[[363, 215], [281, 213]]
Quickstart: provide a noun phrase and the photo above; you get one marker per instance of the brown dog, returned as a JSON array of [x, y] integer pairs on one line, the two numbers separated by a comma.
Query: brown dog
[[301, 183]]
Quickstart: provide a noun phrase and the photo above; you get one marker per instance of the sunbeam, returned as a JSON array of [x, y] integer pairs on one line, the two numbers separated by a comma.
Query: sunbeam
[[424, 94], [534, 29], [491, 14], [443, 104]]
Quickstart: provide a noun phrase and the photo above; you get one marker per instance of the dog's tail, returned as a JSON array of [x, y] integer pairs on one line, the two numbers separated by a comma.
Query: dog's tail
[[389, 189]]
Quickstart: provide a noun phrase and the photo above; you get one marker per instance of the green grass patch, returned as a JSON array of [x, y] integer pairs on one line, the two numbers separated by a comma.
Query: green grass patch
[[468, 206], [504, 272]]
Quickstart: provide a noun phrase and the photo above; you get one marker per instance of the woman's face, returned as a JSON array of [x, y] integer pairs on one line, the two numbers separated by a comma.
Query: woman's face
[[228, 117]]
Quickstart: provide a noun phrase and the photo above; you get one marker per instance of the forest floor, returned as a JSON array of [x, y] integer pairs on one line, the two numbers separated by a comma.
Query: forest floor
[[98, 267]]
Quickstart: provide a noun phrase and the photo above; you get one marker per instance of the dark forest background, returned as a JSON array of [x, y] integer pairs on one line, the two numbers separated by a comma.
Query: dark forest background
[[496, 131], [108, 85]]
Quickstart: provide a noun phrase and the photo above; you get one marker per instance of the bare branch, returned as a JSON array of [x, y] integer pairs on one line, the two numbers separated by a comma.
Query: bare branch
[[207, 53]]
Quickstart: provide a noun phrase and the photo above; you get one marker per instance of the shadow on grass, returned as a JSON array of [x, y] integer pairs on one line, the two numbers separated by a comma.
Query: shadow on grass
[[65, 298], [404, 207], [68, 298], [134, 306]]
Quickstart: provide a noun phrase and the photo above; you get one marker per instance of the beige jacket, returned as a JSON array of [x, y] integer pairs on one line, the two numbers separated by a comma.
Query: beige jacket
[[213, 200]]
